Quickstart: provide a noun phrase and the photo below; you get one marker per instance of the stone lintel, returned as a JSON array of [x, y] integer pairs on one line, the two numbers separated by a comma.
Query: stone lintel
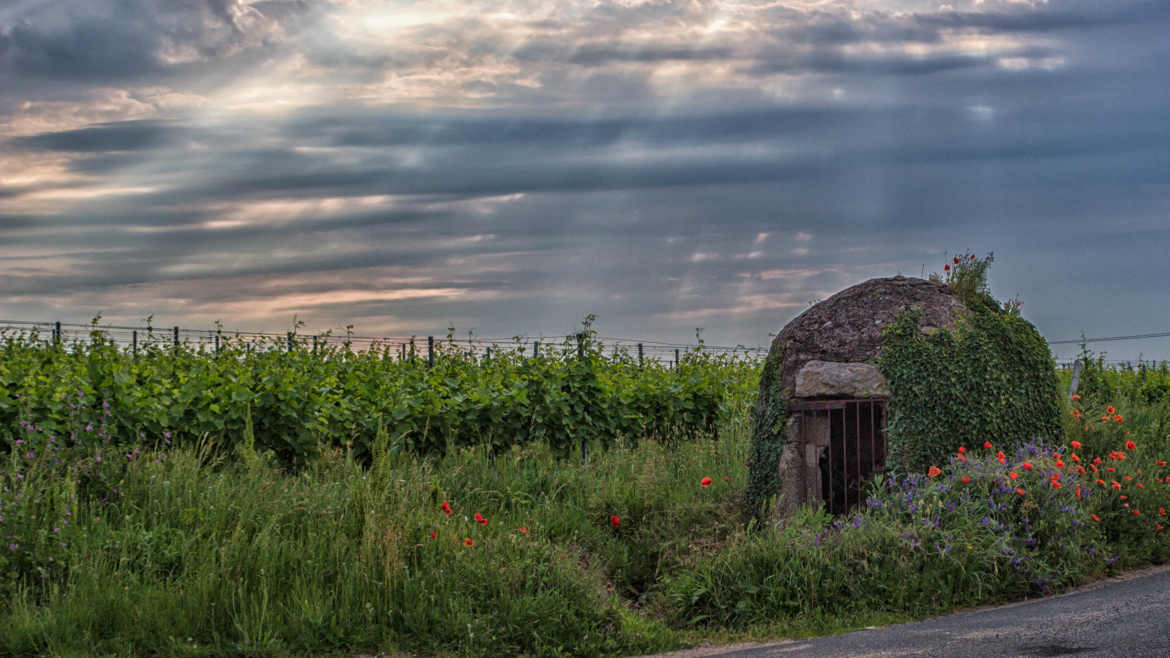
[[840, 380]]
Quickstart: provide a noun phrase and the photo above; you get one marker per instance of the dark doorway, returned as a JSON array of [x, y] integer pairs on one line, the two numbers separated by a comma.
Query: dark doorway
[[853, 451]]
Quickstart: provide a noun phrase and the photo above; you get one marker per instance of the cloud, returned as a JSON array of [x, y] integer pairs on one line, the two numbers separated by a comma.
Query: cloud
[[517, 166]]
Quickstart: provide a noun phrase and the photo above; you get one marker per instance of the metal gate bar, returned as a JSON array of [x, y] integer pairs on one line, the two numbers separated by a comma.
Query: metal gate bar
[[820, 482]]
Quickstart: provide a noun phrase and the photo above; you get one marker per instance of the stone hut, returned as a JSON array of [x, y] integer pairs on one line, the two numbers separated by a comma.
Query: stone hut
[[826, 363]]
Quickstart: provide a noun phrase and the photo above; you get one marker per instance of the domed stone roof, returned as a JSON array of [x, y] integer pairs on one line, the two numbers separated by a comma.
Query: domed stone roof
[[847, 327]]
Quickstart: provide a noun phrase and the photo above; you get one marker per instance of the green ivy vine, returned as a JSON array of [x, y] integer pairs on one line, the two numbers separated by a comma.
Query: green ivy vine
[[769, 418], [991, 379]]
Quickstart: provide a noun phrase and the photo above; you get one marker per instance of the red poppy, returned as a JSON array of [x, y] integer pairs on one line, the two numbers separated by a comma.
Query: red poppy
[[1095, 518], [468, 541], [1055, 484], [1074, 457], [1116, 485], [705, 482], [1127, 478], [1110, 410], [961, 458], [947, 268], [1055, 476], [934, 472], [987, 445], [1168, 478], [956, 260], [1013, 475], [446, 508], [1125, 497], [524, 530], [965, 479], [1162, 511], [1027, 466], [962, 450], [1161, 463], [1021, 491], [1135, 512], [1076, 445], [1059, 463], [1139, 485], [1117, 418], [1074, 396], [1130, 445], [432, 534], [615, 521], [1158, 526], [972, 256], [1078, 493], [1101, 482]]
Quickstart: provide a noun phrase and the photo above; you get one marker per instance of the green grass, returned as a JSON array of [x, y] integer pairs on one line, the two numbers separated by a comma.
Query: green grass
[[205, 551]]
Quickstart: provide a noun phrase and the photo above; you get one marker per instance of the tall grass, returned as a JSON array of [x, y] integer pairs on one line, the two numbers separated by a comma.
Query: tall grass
[[200, 556], [203, 550]]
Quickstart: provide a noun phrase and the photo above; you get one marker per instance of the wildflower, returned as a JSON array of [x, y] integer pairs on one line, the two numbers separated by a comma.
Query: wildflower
[[956, 260], [1013, 475], [1059, 462], [1162, 511], [1076, 414], [947, 268], [480, 518], [962, 450], [1130, 445], [705, 482], [987, 445], [1139, 485], [525, 531], [1078, 492], [1127, 478], [1021, 491], [615, 521], [468, 541], [965, 479], [1095, 518], [1055, 484], [1075, 396], [447, 508], [1124, 497], [1110, 410], [1117, 418], [1027, 466], [1158, 526], [1075, 445], [934, 472], [1135, 512], [725, 478], [1161, 463], [1116, 485], [432, 534]]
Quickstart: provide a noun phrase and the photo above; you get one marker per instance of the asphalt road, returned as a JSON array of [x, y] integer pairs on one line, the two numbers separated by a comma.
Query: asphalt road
[[1126, 616]]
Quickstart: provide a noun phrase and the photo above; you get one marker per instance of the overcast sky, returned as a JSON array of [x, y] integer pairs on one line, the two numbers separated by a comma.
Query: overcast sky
[[509, 167]]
